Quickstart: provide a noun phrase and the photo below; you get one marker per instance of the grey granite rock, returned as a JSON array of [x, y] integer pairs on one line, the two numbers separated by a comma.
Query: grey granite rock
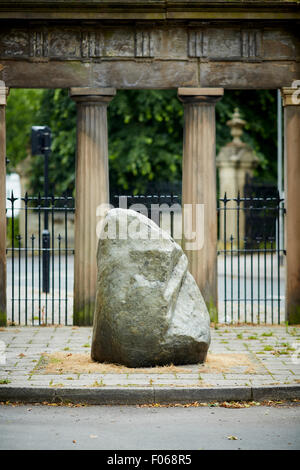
[[149, 310]]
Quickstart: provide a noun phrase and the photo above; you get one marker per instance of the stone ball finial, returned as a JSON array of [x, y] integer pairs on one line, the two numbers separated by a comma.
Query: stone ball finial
[[236, 124]]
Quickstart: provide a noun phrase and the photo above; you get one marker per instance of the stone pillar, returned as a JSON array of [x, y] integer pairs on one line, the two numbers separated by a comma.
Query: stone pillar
[[199, 184], [3, 95], [291, 103], [92, 189], [235, 161]]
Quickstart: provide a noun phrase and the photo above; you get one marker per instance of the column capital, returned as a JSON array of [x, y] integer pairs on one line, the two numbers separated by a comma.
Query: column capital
[[291, 95], [4, 91], [200, 95], [89, 95]]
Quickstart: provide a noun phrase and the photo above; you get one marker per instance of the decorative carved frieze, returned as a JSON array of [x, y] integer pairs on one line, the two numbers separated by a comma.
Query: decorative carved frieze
[[14, 43], [143, 44], [88, 42], [197, 43], [227, 44], [65, 43], [251, 44], [91, 44], [39, 43]]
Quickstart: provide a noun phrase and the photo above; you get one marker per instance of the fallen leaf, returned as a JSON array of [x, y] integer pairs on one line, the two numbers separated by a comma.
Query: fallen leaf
[[232, 438]]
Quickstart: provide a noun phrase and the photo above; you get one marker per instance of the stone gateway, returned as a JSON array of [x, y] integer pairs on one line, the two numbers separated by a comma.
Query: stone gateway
[[149, 310], [199, 47]]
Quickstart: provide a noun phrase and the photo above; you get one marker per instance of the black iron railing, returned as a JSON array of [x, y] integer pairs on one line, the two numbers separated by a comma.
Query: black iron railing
[[250, 255], [38, 260], [156, 207]]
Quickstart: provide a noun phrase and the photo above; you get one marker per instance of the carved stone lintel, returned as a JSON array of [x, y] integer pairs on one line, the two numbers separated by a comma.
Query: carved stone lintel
[[41, 42]]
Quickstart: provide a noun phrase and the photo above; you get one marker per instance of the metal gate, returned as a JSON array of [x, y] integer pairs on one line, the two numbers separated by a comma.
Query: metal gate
[[251, 260], [40, 260]]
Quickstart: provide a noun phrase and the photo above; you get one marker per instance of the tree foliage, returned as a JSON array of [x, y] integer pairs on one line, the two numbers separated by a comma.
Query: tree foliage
[[145, 134], [22, 107]]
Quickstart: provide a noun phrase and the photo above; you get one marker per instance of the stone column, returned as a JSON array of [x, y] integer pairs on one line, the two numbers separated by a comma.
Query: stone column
[[199, 184], [235, 161], [92, 189], [291, 103], [3, 95]]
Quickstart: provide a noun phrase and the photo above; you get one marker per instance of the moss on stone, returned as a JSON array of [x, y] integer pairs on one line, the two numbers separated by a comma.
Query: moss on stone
[[294, 315], [3, 319], [213, 311], [85, 315]]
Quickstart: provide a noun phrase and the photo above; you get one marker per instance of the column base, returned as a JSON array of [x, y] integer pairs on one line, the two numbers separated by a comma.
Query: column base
[[293, 314], [84, 315], [3, 319], [212, 308]]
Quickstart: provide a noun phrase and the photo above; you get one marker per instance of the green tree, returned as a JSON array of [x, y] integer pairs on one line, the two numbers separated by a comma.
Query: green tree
[[145, 134], [58, 112], [145, 138], [21, 111]]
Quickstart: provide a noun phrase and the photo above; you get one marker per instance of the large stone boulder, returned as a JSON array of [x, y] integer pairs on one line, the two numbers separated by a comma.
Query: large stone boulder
[[149, 310]]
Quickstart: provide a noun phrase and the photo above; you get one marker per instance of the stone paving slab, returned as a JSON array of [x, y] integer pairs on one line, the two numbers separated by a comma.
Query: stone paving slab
[[274, 353]]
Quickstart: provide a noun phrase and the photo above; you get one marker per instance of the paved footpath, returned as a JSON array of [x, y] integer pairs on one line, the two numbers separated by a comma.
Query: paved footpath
[[244, 363]]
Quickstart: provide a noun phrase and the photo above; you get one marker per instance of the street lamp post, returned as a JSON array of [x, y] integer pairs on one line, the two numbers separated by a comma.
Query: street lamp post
[[41, 145]]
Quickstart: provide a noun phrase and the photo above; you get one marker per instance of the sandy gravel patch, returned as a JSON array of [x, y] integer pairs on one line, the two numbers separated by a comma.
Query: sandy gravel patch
[[62, 362]]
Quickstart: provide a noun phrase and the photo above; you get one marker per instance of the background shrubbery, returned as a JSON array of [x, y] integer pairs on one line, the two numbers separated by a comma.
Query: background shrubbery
[[145, 135]]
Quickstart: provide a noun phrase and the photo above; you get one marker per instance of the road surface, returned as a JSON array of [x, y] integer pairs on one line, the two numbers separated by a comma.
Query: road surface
[[130, 427]]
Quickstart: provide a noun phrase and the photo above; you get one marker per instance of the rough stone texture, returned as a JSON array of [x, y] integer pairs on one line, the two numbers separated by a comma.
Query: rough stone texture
[[149, 309], [111, 52]]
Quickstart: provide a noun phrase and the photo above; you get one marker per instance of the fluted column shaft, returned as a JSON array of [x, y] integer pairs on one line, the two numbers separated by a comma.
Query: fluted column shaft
[[3, 94], [92, 189], [199, 184], [291, 103]]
